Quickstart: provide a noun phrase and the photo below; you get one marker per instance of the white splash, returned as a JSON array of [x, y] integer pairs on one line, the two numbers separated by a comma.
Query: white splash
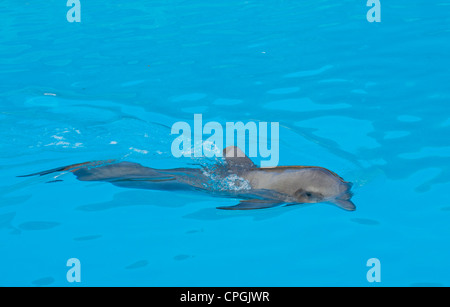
[[231, 182]]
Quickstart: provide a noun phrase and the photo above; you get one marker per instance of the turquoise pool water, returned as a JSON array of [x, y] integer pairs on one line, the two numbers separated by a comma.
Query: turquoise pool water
[[369, 101]]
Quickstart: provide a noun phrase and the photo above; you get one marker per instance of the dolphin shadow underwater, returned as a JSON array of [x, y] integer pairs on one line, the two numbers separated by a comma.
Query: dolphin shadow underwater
[[257, 188]]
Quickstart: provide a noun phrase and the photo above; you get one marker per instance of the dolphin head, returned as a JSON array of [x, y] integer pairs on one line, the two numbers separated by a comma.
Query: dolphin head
[[305, 196], [341, 198]]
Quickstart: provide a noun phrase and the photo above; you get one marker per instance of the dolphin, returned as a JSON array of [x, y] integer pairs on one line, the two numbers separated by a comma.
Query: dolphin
[[256, 187]]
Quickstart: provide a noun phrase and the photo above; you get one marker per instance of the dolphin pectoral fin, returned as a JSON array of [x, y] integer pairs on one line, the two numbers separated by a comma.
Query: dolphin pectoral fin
[[252, 204], [345, 204]]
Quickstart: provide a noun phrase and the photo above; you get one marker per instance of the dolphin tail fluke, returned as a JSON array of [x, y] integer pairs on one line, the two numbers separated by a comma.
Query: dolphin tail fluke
[[70, 168], [59, 169]]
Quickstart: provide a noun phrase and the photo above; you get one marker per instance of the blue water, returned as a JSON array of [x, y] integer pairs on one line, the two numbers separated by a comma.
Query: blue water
[[369, 101]]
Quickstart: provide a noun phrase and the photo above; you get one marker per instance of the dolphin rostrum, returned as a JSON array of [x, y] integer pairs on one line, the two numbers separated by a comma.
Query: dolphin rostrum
[[239, 177]]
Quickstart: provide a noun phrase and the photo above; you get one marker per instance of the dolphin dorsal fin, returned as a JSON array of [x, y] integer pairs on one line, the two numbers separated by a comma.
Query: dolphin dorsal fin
[[237, 158]]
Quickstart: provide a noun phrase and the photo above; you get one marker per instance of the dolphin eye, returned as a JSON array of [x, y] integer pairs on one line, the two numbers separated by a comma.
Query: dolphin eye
[[308, 194]]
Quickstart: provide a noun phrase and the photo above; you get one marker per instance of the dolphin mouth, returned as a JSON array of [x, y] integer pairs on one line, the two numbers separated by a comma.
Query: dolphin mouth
[[345, 204], [346, 195]]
